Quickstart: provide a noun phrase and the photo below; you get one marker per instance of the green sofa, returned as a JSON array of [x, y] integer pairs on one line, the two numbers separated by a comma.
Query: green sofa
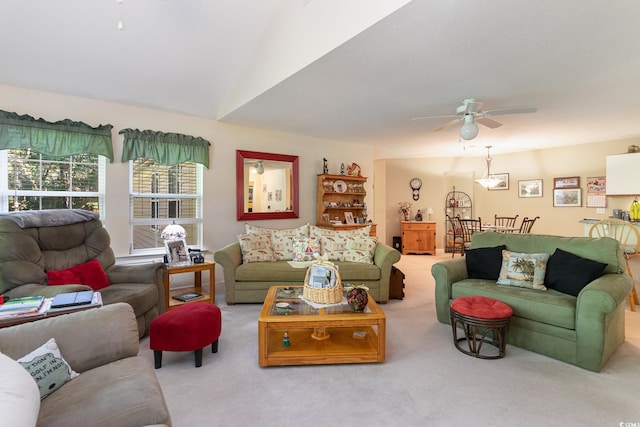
[[584, 330], [249, 283]]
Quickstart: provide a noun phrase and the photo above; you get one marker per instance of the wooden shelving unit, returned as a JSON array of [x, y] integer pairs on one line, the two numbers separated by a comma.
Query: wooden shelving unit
[[338, 194]]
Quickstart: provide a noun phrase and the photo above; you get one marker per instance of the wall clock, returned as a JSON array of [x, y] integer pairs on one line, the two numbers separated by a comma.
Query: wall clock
[[416, 184]]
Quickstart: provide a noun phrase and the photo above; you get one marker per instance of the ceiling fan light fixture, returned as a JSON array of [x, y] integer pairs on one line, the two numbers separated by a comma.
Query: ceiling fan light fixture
[[469, 129], [488, 180]]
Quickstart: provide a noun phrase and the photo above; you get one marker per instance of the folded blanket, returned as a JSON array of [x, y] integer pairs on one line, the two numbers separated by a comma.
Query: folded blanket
[[49, 217]]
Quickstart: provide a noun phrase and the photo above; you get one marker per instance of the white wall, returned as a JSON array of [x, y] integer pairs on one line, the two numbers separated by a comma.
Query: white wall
[[220, 224], [439, 175]]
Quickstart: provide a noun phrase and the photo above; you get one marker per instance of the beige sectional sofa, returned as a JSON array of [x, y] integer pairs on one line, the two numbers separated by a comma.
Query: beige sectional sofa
[[248, 282], [115, 386]]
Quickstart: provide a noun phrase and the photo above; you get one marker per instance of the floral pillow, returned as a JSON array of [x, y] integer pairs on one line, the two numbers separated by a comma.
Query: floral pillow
[[360, 249], [256, 248], [523, 270], [334, 242], [281, 240], [305, 248]]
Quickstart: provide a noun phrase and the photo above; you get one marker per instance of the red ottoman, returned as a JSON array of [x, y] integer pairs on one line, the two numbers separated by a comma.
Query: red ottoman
[[189, 327], [480, 317]]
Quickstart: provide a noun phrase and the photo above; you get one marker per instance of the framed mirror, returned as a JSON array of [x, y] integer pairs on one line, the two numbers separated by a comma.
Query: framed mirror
[[266, 186]]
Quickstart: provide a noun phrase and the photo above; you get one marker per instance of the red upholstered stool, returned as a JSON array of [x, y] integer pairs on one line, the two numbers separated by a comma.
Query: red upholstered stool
[[480, 317], [189, 327]]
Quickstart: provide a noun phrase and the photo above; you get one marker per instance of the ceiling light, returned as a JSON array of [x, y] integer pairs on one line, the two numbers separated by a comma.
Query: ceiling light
[[259, 168], [469, 129], [488, 180]]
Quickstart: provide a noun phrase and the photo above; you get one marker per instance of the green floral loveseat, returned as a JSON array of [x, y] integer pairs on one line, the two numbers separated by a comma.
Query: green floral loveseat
[[263, 257]]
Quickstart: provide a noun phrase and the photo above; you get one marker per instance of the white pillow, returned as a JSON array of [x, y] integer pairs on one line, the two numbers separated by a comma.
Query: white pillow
[[48, 368], [281, 240], [334, 242], [305, 248], [19, 396], [256, 248], [360, 249]]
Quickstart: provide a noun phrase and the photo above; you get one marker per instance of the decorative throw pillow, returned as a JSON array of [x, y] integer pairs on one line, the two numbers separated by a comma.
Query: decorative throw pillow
[[281, 240], [569, 273], [305, 248], [334, 242], [523, 270], [360, 249], [90, 273], [484, 263], [256, 248], [48, 368]]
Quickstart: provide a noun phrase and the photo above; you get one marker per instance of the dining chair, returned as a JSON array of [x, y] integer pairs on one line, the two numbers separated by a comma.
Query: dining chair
[[527, 224], [506, 224], [629, 237], [469, 226], [455, 240]]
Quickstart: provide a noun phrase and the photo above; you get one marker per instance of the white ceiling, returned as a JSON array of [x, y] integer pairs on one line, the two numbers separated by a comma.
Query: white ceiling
[[577, 61]]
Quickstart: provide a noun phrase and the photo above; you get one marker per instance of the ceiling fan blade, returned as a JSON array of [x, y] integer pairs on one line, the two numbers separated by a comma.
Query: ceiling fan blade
[[448, 124], [449, 116], [490, 123], [515, 110]]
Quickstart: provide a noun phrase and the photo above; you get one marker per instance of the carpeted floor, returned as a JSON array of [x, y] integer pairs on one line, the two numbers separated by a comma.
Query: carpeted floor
[[425, 381]]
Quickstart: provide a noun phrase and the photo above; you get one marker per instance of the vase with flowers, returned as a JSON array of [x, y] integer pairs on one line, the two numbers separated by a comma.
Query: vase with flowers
[[405, 209], [357, 297]]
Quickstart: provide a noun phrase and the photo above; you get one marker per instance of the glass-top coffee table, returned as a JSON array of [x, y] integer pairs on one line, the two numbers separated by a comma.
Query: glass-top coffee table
[[317, 336]]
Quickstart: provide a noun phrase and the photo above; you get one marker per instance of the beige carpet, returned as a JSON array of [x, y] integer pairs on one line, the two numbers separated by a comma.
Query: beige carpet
[[424, 382]]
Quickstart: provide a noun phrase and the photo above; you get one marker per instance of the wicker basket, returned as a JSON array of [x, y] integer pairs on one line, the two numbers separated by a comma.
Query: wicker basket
[[331, 295]]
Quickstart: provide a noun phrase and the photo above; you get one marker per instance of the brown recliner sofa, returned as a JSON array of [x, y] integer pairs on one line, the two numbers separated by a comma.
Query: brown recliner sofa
[[34, 242]]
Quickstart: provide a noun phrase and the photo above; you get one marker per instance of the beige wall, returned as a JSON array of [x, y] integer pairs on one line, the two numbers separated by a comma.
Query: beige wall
[[439, 175], [220, 224]]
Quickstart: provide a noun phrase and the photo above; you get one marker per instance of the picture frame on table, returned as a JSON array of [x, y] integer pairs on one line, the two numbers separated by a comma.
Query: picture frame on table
[[530, 188], [177, 251], [567, 197], [325, 218], [348, 217], [504, 182], [567, 182]]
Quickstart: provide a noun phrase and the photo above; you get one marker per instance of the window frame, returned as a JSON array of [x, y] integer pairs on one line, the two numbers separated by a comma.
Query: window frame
[[155, 198]]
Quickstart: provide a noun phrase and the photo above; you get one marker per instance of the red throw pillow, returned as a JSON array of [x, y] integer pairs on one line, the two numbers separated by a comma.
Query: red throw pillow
[[90, 273]]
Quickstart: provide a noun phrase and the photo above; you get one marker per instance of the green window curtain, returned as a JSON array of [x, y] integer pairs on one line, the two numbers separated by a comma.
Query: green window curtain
[[63, 138], [165, 148]]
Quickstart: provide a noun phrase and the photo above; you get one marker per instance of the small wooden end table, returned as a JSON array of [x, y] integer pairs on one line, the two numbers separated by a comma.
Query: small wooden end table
[[197, 269]]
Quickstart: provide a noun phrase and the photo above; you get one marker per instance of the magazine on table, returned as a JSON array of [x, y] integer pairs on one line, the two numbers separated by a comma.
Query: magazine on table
[[21, 305]]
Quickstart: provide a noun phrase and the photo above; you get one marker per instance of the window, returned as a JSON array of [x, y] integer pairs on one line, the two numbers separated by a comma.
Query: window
[[37, 181], [159, 195]]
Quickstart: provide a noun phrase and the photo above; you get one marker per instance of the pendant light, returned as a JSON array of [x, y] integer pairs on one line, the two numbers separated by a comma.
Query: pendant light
[[488, 180]]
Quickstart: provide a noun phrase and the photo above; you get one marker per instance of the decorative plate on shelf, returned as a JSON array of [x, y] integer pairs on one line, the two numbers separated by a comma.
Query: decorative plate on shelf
[[339, 186]]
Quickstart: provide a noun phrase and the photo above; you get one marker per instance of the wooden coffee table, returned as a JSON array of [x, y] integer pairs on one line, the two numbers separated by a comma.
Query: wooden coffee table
[[318, 336]]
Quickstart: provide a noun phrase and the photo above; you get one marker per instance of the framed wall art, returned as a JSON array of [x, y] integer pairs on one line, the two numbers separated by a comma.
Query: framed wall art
[[530, 188], [567, 182], [567, 197], [504, 182], [348, 216]]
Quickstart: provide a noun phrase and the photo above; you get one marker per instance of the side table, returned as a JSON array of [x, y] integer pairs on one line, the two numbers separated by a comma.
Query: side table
[[197, 269]]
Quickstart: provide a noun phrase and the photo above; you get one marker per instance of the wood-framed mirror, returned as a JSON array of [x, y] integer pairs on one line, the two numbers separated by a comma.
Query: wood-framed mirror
[[266, 186]]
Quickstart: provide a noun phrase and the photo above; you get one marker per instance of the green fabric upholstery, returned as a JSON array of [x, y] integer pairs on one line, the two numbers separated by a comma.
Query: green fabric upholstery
[[249, 283], [584, 330], [28, 253]]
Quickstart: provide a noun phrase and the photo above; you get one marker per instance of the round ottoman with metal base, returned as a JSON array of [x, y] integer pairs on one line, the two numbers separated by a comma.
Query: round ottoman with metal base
[[188, 327], [482, 320]]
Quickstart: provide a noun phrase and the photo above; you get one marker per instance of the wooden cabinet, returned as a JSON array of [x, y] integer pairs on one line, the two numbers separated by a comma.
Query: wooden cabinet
[[418, 237], [340, 198]]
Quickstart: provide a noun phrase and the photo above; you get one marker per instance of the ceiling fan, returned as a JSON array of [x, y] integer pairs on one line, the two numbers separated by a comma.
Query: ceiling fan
[[470, 113]]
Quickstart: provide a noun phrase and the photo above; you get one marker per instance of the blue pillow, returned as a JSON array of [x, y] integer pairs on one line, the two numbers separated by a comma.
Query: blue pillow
[[484, 263], [569, 273]]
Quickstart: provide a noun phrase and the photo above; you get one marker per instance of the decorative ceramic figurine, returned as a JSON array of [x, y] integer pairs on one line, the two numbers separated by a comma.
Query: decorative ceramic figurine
[[325, 168], [342, 169], [419, 216]]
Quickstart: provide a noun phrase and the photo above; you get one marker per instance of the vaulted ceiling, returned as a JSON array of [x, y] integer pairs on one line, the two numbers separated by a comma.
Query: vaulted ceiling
[[350, 70]]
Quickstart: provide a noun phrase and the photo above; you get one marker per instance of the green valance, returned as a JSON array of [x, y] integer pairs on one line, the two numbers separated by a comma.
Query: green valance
[[165, 148], [63, 138]]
